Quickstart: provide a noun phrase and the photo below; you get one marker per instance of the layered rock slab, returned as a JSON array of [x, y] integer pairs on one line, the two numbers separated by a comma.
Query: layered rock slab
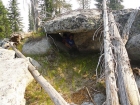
[[74, 21]]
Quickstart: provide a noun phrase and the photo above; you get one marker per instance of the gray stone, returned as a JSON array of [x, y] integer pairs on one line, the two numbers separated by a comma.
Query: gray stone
[[5, 43], [133, 47], [137, 78], [87, 103], [99, 98], [36, 46], [34, 63]]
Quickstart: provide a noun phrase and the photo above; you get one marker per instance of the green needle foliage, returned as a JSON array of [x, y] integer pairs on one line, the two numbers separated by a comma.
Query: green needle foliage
[[14, 16], [113, 4], [58, 6], [5, 30]]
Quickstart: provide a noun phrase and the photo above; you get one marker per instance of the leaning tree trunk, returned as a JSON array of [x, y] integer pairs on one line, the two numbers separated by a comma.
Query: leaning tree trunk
[[111, 89], [127, 27], [54, 95], [128, 91]]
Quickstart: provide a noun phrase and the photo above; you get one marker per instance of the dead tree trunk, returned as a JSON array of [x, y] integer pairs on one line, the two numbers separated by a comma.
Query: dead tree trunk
[[54, 95], [111, 89], [127, 27], [128, 91]]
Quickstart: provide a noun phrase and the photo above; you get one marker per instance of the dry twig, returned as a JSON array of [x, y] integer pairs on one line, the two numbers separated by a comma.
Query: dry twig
[[90, 96]]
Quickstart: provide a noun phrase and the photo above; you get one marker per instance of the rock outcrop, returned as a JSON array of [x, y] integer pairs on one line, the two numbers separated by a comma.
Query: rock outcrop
[[83, 23], [14, 78], [6, 54]]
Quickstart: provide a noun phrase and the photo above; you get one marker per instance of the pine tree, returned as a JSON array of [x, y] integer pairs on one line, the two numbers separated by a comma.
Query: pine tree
[[84, 4], [31, 25], [116, 4], [99, 4], [14, 16], [49, 5], [5, 30], [113, 4], [57, 6], [52, 7]]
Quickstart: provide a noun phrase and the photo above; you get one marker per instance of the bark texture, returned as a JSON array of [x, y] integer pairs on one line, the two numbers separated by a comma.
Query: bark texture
[[128, 91], [111, 88]]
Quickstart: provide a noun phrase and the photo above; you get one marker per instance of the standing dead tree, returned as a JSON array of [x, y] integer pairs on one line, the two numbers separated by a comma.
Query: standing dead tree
[[111, 88], [128, 90], [117, 65]]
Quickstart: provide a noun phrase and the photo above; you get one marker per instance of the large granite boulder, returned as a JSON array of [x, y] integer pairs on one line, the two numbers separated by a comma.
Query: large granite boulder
[[6, 54], [37, 46], [14, 78], [74, 21], [83, 23]]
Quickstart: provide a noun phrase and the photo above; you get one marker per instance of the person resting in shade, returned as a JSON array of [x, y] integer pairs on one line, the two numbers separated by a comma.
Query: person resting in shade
[[70, 42]]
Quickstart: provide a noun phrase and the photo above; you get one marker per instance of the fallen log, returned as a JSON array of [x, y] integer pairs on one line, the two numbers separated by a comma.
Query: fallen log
[[128, 91], [54, 95], [111, 88]]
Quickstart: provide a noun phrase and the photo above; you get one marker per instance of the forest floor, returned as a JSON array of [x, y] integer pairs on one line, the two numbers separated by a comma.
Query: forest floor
[[73, 76]]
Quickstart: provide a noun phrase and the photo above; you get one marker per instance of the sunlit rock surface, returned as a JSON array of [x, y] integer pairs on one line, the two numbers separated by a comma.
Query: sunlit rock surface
[[14, 78], [74, 21], [6, 54]]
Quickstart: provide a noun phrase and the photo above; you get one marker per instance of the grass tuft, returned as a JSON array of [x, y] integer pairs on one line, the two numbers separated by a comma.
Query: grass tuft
[[66, 73]]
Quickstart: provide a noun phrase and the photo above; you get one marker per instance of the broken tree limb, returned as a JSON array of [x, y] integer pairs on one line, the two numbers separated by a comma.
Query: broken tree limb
[[127, 27], [90, 96], [111, 88], [128, 91], [54, 95]]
